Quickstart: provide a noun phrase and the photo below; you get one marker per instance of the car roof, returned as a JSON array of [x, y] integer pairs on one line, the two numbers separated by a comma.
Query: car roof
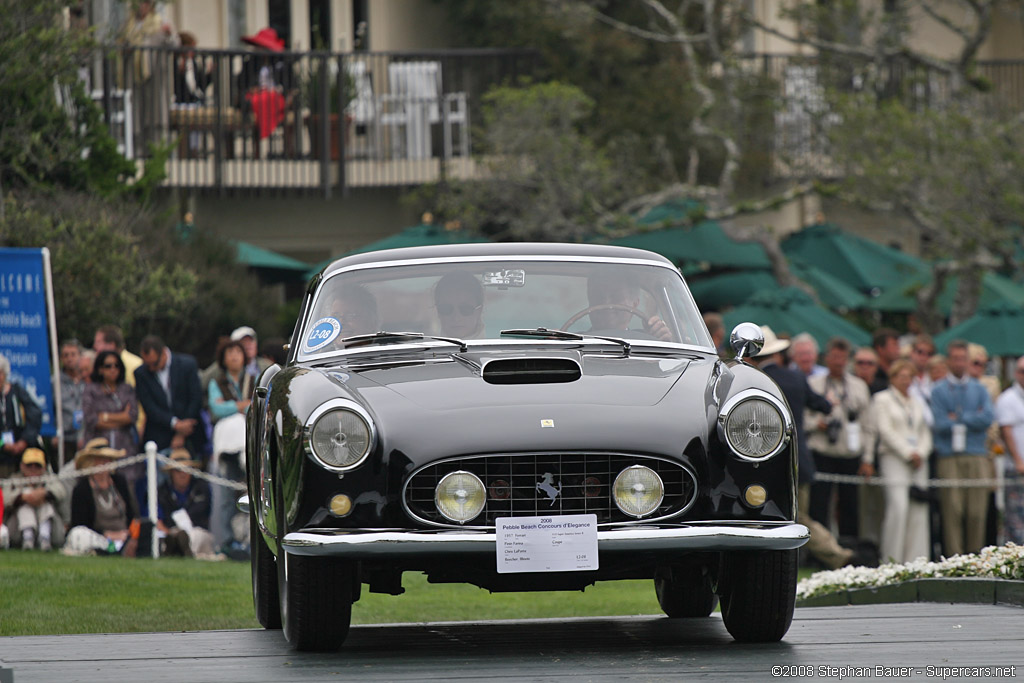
[[500, 250]]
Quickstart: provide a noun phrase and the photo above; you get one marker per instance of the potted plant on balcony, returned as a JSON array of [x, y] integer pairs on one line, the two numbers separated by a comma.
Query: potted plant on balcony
[[313, 94]]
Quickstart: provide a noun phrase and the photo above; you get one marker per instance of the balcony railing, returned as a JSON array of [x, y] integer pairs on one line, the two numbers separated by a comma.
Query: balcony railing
[[301, 121], [327, 122]]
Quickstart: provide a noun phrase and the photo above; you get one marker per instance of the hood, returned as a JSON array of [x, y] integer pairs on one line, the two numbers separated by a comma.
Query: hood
[[452, 405], [505, 379]]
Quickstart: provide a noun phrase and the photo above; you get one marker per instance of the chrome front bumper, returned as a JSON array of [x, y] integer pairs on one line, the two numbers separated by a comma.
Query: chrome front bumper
[[381, 543]]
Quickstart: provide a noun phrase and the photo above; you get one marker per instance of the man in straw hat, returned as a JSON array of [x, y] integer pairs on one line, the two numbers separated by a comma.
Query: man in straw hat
[[101, 501], [32, 508], [771, 360]]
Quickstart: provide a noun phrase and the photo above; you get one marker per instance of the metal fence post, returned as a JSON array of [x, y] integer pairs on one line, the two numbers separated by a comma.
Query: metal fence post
[[151, 495]]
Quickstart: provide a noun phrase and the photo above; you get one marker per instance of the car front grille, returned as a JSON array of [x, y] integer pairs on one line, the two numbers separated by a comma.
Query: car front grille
[[529, 485]]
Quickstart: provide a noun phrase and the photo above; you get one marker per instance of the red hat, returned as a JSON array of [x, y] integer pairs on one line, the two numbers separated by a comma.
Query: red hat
[[266, 38]]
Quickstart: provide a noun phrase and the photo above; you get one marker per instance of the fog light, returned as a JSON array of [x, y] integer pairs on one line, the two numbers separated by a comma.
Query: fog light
[[638, 491], [755, 495], [340, 505], [460, 496]]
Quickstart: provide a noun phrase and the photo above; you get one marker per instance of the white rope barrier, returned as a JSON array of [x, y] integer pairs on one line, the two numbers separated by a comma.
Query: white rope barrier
[[931, 483], [67, 473]]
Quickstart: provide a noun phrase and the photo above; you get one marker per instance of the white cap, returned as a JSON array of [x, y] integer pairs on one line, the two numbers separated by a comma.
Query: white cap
[[242, 332]]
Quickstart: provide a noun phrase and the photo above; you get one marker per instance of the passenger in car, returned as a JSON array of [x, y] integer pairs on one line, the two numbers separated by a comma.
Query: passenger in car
[[459, 300], [356, 310]]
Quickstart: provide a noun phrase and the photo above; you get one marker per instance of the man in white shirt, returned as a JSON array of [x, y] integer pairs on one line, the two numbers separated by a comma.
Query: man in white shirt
[[1010, 416]]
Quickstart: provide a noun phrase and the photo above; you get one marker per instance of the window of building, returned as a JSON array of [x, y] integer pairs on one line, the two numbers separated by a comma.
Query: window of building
[[280, 19], [320, 24]]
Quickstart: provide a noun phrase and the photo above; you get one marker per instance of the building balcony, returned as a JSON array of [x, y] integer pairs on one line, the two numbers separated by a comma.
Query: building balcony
[[301, 121]]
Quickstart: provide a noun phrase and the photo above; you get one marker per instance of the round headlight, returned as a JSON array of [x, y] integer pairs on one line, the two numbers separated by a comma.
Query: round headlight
[[460, 496], [755, 429], [638, 491], [340, 438]]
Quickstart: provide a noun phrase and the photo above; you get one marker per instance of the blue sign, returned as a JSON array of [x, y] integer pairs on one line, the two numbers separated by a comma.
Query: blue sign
[[24, 329]]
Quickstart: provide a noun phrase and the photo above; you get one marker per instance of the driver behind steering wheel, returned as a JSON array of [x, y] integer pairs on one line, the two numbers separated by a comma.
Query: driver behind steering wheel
[[615, 289]]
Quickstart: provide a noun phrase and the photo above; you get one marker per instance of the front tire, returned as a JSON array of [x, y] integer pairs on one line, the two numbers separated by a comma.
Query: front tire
[[316, 601], [264, 577], [758, 592], [685, 592]]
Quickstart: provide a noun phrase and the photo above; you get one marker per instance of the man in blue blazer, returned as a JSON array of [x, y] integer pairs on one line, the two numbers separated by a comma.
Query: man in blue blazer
[[167, 386]]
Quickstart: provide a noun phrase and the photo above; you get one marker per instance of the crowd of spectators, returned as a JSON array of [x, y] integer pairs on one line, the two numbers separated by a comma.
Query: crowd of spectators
[[898, 446], [906, 455], [112, 403]]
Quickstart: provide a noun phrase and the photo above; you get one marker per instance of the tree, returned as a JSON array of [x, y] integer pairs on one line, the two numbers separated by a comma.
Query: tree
[[545, 179], [123, 264], [51, 133], [65, 186], [945, 163], [717, 99], [921, 135]]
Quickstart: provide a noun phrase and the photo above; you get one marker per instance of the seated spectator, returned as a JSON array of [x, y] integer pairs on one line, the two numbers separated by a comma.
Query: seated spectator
[[20, 421], [101, 502], [32, 511], [183, 509]]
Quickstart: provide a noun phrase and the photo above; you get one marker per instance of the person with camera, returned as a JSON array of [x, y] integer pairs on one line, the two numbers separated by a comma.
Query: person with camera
[[837, 438]]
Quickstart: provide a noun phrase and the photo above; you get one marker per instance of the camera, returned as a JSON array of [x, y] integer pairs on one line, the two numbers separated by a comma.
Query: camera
[[832, 429]]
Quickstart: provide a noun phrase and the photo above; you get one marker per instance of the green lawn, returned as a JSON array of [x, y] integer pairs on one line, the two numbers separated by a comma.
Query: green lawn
[[51, 594]]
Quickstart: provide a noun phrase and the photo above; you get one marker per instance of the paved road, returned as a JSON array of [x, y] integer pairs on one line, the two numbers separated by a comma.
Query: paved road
[[916, 635]]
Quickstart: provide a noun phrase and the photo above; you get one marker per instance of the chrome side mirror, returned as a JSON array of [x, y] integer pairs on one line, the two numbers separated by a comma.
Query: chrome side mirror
[[746, 339]]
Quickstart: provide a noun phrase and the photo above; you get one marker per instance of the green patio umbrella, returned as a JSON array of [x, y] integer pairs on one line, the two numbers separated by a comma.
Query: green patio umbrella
[[790, 311], [999, 328], [995, 289], [832, 292], [734, 288], [422, 235], [863, 264], [716, 292], [704, 242], [258, 257]]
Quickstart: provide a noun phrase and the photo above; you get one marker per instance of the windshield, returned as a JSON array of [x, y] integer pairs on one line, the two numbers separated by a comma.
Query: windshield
[[478, 299]]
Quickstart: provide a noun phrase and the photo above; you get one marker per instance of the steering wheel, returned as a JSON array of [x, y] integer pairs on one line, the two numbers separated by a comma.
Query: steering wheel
[[606, 307]]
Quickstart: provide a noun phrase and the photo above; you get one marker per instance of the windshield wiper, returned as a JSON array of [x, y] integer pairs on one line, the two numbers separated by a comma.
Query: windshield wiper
[[562, 334], [543, 332], [385, 337]]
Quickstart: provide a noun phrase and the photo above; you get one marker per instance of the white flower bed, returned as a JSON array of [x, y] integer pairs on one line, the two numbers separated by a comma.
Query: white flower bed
[[994, 562]]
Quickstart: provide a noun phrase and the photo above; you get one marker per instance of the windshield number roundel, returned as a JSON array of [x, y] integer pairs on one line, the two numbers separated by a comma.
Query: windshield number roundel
[[325, 330]]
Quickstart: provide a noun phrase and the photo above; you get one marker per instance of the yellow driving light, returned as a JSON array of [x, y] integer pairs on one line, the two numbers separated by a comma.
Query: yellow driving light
[[638, 491], [340, 505], [755, 495], [460, 496]]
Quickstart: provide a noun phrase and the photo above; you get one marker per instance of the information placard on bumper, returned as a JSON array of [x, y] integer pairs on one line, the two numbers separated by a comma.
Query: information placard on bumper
[[565, 543]]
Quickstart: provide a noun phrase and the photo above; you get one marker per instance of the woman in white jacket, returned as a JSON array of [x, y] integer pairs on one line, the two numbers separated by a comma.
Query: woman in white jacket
[[904, 442]]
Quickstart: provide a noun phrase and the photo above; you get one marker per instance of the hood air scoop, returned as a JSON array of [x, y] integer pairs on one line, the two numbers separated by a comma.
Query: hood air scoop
[[531, 370]]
